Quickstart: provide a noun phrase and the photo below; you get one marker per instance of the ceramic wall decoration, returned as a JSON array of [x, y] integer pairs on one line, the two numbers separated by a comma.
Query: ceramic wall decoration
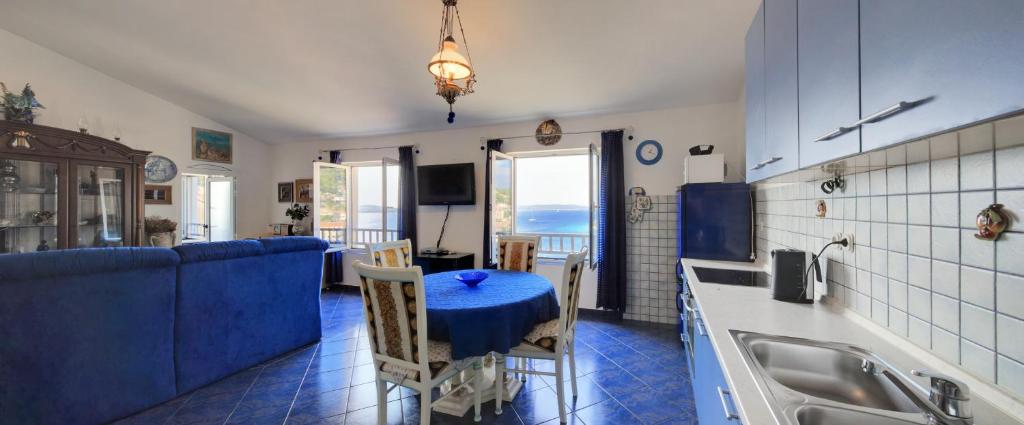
[[821, 209], [548, 133], [160, 169], [641, 204], [211, 145], [991, 222]]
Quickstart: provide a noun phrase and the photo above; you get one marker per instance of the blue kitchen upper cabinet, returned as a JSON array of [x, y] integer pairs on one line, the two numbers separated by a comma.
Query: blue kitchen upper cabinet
[[829, 72], [754, 78], [781, 124], [964, 57]]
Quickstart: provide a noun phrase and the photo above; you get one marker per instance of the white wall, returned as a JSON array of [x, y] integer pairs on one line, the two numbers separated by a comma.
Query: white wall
[[71, 90], [676, 129]]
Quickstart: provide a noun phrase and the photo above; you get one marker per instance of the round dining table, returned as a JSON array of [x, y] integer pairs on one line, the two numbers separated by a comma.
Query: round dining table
[[493, 316]]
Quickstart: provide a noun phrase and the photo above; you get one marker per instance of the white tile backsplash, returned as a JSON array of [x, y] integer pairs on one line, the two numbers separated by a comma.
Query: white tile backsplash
[[1011, 295], [978, 360], [917, 268], [978, 325], [650, 265], [976, 171], [944, 208], [1008, 172], [977, 286], [1009, 340]]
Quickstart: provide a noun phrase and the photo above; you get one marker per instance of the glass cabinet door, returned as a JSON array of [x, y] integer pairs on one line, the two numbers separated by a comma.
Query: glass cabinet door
[[101, 216], [28, 206]]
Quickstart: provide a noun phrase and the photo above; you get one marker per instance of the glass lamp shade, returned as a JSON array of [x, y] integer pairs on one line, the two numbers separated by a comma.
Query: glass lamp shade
[[449, 63]]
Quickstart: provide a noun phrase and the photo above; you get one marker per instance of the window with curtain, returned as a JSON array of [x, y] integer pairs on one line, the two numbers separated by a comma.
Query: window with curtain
[[356, 204], [545, 194]]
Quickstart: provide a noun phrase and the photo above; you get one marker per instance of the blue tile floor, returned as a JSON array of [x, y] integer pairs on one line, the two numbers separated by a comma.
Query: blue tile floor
[[628, 372]]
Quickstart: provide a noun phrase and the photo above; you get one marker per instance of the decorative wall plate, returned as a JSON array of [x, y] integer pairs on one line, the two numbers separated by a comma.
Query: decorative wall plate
[[549, 133], [160, 169]]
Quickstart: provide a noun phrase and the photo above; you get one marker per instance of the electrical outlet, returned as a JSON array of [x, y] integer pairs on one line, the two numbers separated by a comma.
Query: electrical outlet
[[849, 240]]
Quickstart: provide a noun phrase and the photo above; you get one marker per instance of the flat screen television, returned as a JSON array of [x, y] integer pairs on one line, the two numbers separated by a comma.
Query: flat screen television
[[447, 184]]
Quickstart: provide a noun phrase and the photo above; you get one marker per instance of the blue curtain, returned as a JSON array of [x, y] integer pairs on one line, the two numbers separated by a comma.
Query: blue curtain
[[335, 157], [492, 145], [611, 222], [407, 200]]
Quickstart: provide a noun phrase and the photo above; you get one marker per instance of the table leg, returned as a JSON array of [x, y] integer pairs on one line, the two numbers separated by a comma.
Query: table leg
[[459, 403]]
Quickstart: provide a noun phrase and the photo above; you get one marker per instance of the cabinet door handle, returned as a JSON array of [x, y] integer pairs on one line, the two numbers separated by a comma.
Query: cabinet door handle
[[890, 111], [729, 415], [699, 324], [761, 164], [835, 133]]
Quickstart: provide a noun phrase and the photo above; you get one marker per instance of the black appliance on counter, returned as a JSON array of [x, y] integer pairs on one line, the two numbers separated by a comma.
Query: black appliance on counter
[[789, 280]]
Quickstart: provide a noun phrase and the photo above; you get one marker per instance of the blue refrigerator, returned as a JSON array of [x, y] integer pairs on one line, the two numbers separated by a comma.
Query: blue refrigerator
[[716, 221]]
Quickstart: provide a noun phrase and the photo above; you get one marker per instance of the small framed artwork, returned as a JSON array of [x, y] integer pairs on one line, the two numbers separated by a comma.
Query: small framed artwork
[[156, 194], [304, 191], [286, 192], [211, 145], [277, 230]]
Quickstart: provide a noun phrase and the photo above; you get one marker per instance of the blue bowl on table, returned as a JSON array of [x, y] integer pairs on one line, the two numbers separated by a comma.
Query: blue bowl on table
[[471, 279]]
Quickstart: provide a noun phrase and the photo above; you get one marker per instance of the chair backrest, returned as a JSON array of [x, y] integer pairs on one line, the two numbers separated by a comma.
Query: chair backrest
[[518, 253], [396, 315], [570, 296], [392, 254]]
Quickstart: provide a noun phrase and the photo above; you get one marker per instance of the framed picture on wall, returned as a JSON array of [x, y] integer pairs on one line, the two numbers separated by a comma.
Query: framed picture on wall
[[286, 192], [156, 194], [304, 191], [211, 145]]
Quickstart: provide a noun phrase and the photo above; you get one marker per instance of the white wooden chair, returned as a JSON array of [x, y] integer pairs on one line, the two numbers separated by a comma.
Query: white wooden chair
[[391, 254], [551, 339], [396, 322], [518, 253]]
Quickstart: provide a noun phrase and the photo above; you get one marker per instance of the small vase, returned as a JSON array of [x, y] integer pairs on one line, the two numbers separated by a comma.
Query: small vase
[[298, 228], [162, 240]]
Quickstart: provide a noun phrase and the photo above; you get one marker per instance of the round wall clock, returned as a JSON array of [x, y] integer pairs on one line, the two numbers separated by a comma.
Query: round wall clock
[[160, 169], [549, 133], [648, 152]]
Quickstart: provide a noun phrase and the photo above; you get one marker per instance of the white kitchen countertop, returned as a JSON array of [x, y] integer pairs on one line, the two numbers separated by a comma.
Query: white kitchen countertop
[[727, 307]]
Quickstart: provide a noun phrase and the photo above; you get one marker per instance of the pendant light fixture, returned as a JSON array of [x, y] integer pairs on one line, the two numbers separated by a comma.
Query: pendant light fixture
[[453, 73]]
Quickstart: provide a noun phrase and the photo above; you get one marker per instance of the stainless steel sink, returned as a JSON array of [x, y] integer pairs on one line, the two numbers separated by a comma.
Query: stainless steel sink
[[812, 382], [820, 415]]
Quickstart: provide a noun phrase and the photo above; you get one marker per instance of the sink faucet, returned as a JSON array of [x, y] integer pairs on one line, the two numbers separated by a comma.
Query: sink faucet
[[951, 396]]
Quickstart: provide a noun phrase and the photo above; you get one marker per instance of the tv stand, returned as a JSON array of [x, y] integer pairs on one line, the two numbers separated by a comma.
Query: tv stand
[[436, 263]]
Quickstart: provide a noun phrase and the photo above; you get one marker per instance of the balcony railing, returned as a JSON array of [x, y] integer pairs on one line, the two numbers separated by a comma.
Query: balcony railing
[[559, 245], [339, 235]]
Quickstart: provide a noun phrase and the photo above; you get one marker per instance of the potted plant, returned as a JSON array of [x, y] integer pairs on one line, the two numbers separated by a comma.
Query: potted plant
[[297, 213], [19, 108], [162, 231]]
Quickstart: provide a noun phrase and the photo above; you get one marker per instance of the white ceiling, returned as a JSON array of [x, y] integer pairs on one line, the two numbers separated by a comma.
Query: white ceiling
[[291, 70]]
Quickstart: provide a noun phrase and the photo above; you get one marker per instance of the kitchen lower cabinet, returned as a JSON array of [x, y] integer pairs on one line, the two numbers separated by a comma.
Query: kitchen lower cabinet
[[710, 391], [829, 69], [929, 66]]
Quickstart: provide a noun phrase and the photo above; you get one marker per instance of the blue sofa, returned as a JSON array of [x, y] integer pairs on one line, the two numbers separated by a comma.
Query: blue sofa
[[86, 335], [243, 302], [91, 335]]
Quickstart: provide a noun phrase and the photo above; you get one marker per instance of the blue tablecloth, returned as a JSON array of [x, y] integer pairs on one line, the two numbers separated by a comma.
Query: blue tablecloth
[[494, 316]]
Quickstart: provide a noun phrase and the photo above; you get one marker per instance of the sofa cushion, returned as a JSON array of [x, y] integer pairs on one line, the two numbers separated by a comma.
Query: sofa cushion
[[86, 336], [294, 243], [213, 251], [77, 262]]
